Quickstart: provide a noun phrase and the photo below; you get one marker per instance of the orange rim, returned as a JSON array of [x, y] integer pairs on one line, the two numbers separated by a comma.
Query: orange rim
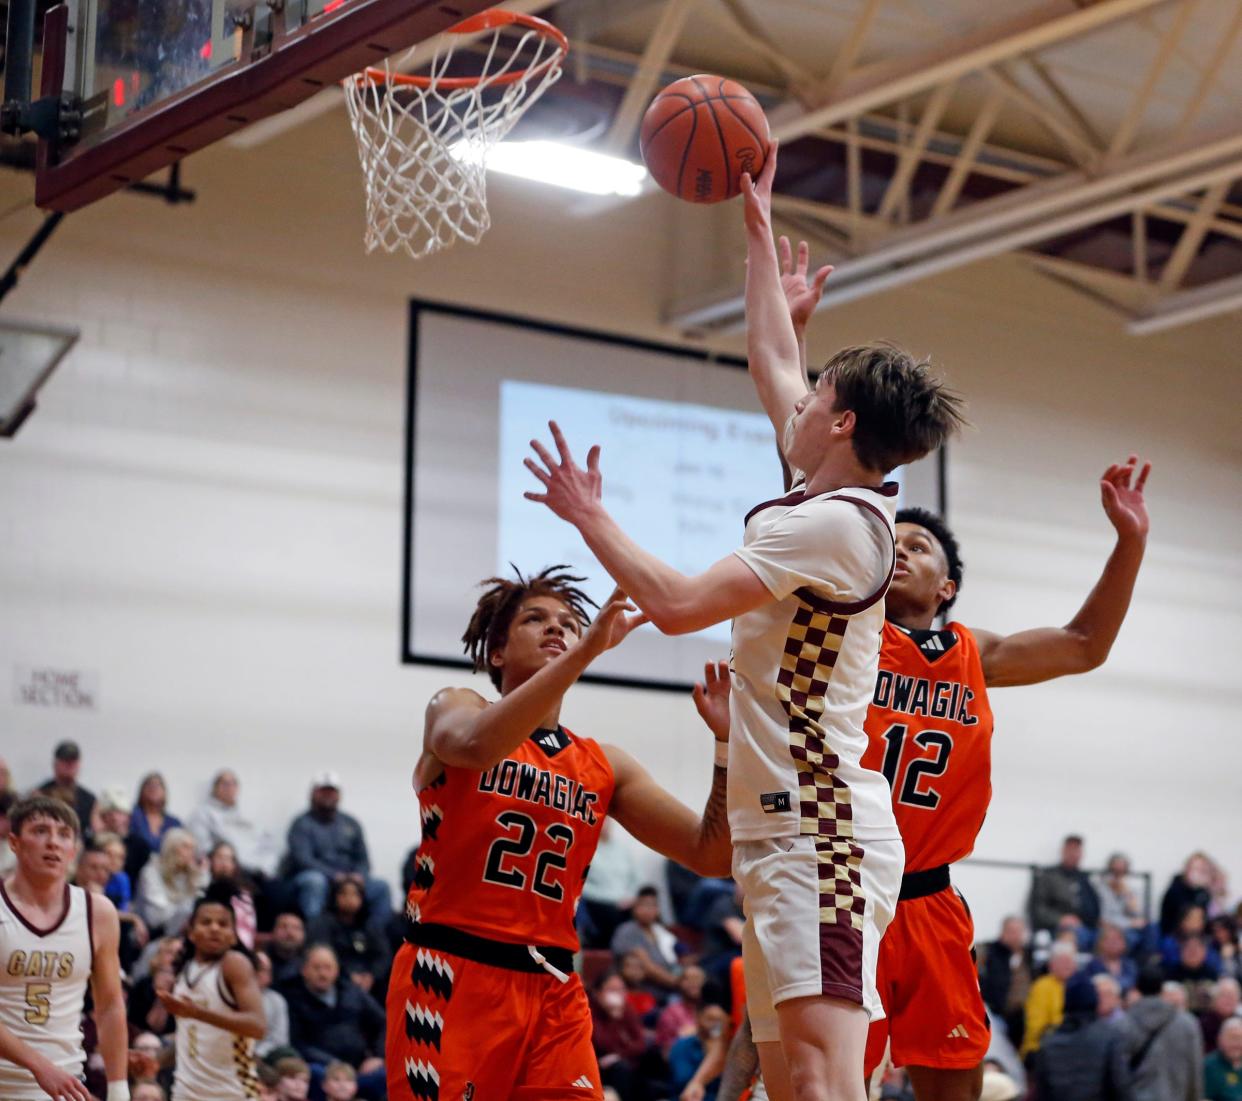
[[490, 20]]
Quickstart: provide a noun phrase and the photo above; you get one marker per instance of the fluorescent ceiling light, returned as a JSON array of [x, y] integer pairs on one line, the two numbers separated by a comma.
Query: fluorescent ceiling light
[[568, 166]]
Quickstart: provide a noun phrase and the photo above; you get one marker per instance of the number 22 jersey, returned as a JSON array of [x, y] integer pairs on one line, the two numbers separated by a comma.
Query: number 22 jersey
[[929, 731], [505, 852]]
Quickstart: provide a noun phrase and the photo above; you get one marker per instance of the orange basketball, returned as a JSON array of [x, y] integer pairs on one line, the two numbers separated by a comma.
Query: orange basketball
[[700, 134]]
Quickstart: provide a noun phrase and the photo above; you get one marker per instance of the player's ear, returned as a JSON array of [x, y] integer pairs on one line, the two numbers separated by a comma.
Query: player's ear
[[947, 590], [844, 423]]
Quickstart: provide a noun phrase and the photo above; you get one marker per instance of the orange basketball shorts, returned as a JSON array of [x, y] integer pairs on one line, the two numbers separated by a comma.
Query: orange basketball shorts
[[460, 1030], [934, 1014]]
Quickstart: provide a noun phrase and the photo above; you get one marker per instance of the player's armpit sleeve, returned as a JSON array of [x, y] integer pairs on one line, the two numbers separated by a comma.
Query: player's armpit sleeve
[[832, 547]]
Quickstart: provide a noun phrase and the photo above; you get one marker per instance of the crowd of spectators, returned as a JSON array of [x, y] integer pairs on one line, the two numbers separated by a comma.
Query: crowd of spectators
[[1089, 999]]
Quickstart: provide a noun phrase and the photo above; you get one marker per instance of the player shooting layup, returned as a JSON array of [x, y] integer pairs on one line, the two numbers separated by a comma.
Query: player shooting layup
[[54, 939], [930, 730], [816, 846]]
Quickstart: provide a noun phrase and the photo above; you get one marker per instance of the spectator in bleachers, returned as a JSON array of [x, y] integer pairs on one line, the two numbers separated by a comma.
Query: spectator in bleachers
[[8, 858], [1225, 1005], [618, 1036], [1222, 1070], [1084, 1058], [696, 1061], [150, 819], [1064, 889], [1111, 957], [679, 1017], [285, 947], [326, 844], [333, 1019], [1005, 975], [1223, 934], [1193, 923], [1190, 887], [1045, 1004], [119, 889], [293, 1079], [144, 1009], [632, 967], [654, 944], [94, 873], [169, 883], [1119, 905], [275, 1009], [66, 764], [1108, 999], [723, 922], [222, 864], [340, 1082], [610, 889], [220, 820], [1166, 1050], [359, 945], [114, 813], [1196, 972]]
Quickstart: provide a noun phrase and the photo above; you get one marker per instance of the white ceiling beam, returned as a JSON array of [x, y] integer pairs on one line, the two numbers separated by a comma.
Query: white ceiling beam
[[1080, 148], [1044, 75], [969, 153], [1211, 71], [755, 35], [911, 154], [650, 69], [1187, 247], [884, 82], [1126, 132], [331, 98], [847, 55], [1210, 300], [1028, 214]]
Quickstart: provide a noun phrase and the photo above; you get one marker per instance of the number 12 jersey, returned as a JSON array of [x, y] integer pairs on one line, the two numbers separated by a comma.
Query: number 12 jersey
[[929, 730]]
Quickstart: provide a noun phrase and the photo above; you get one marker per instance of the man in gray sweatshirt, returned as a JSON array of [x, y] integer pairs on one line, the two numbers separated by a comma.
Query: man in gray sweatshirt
[[1166, 1047]]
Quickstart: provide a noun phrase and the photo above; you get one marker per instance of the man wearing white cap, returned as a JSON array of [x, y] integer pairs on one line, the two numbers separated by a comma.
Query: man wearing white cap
[[327, 845]]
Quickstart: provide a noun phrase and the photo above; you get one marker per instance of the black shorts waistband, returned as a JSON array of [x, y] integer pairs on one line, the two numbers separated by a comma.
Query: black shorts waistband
[[922, 884], [494, 953]]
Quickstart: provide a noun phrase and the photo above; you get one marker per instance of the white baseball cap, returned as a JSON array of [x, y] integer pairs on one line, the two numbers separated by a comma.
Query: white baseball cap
[[326, 779]]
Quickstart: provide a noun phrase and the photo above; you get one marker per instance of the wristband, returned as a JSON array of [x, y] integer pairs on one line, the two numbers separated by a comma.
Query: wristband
[[118, 1091], [722, 761]]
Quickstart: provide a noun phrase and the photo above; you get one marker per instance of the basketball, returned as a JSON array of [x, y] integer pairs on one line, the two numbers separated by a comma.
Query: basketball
[[700, 134]]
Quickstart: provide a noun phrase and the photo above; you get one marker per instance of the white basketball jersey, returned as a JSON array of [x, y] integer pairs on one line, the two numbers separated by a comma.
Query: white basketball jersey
[[212, 1063], [804, 668], [43, 978]]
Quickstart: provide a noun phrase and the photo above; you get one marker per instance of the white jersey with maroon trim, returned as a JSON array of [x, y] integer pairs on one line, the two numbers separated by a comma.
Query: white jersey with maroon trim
[[804, 668], [43, 979], [213, 1064]]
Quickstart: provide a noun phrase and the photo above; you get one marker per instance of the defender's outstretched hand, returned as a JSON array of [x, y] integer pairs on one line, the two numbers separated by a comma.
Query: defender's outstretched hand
[[1122, 496], [612, 625], [801, 295], [570, 491], [711, 697], [757, 193]]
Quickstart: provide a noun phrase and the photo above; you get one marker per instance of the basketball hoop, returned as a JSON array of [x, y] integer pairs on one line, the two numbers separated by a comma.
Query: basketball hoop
[[424, 139]]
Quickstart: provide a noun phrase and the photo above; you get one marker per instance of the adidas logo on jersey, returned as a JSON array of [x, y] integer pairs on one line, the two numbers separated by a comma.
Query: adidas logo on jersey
[[583, 1083], [959, 1033]]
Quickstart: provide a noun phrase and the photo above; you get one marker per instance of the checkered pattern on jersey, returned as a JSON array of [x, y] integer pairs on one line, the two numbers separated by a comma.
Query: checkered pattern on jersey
[[841, 900], [811, 648]]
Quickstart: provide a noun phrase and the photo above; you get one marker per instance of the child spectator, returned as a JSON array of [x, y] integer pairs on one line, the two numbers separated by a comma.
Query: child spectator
[[340, 1082], [118, 888], [293, 1079]]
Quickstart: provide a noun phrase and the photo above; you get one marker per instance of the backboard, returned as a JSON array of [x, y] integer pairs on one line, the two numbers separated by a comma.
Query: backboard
[[160, 79]]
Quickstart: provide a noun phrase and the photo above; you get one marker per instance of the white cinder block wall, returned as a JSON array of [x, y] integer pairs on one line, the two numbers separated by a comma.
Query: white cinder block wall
[[206, 511]]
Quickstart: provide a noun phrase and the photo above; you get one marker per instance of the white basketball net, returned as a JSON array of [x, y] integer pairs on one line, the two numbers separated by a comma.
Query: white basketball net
[[424, 149]]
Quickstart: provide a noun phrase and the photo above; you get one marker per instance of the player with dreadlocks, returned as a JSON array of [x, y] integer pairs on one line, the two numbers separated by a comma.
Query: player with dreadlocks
[[929, 731], [483, 1001]]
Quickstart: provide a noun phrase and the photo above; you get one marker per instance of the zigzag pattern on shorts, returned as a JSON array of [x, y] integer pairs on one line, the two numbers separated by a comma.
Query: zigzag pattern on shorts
[[424, 1080], [423, 1026], [433, 974]]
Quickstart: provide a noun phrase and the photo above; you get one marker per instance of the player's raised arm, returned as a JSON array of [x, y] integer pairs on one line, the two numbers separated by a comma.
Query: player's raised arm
[[802, 295], [771, 344], [661, 821], [675, 603], [464, 730], [1044, 653]]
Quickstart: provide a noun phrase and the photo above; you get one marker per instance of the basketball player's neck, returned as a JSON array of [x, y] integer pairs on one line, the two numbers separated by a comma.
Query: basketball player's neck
[[37, 888], [551, 720], [838, 469], [911, 619]]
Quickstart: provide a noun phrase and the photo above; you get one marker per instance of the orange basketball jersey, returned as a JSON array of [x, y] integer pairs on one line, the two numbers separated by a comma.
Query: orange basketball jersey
[[505, 851], [929, 730]]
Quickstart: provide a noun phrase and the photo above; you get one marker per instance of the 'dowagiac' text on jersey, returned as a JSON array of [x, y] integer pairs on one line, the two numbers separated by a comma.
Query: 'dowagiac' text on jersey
[[929, 730], [505, 851]]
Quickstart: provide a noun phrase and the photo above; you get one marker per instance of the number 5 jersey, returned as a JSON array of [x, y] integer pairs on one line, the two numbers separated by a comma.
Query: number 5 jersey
[[505, 852], [929, 730]]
